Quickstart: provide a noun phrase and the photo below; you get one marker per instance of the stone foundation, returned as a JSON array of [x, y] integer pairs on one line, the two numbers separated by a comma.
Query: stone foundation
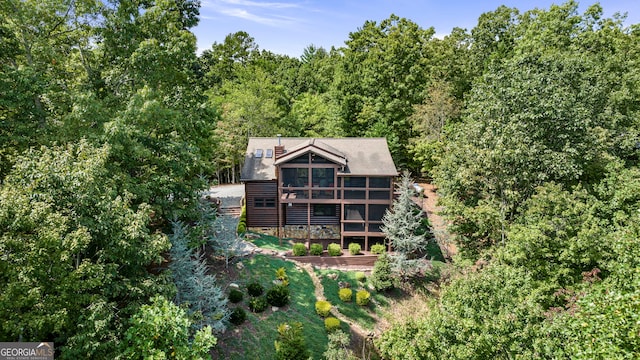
[[318, 232]]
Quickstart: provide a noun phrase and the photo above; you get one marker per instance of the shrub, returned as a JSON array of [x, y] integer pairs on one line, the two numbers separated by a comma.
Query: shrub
[[278, 295], [345, 294], [238, 316], [299, 249], [331, 324], [255, 289], [258, 304], [378, 249], [381, 275], [235, 296], [354, 249], [290, 344], [363, 297], [323, 308], [316, 249], [334, 249], [360, 276], [281, 274], [242, 227]]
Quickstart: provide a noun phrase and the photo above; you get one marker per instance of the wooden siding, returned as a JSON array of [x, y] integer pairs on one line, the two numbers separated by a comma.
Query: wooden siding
[[261, 216], [297, 215]]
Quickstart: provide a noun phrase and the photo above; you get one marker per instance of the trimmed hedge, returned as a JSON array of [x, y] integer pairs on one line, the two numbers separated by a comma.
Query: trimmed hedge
[[316, 249], [354, 249], [360, 276], [378, 249], [278, 295], [299, 249], [235, 296], [323, 308], [331, 324], [258, 304], [238, 316], [255, 289], [334, 249], [345, 294], [363, 297]]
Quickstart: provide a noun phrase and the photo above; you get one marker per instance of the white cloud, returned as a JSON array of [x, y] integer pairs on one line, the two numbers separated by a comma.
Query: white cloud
[[266, 13], [270, 5]]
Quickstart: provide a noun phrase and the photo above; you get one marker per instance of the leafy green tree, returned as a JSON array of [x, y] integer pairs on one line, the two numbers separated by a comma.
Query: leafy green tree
[[381, 75], [73, 250], [162, 330], [338, 347]]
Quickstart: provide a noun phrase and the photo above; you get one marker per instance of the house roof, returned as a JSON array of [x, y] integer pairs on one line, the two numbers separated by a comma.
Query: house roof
[[359, 156]]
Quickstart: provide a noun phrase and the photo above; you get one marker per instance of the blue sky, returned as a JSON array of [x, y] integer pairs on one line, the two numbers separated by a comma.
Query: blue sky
[[288, 26]]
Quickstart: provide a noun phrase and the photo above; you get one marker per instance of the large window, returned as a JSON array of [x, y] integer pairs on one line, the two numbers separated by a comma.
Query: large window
[[295, 177], [324, 210], [322, 177]]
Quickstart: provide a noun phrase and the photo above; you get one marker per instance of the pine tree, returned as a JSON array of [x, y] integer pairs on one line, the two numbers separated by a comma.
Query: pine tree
[[401, 226], [195, 287]]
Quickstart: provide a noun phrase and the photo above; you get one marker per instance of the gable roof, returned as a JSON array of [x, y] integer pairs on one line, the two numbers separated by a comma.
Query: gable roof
[[358, 156]]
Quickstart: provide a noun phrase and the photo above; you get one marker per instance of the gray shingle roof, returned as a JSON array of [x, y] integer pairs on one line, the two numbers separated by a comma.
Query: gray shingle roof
[[362, 156]]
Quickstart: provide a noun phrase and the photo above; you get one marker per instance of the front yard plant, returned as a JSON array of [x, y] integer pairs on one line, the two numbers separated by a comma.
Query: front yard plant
[[355, 248], [363, 297], [345, 294], [323, 308], [334, 249], [299, 249], [378, 249], [235, 296], [255, 289], [238, 316], [290, 344], [258, 304], [331, 324], [316, 249], [278, 295]]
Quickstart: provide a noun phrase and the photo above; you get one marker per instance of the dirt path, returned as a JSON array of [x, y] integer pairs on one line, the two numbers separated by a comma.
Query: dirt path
[[430, 207]]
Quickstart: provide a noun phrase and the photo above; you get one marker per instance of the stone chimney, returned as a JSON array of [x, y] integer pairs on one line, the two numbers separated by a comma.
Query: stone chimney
[[278, 150]]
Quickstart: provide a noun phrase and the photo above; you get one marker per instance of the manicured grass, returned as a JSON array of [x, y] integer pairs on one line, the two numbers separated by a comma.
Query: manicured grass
[[363, 315], [254, 339], [271, 243]]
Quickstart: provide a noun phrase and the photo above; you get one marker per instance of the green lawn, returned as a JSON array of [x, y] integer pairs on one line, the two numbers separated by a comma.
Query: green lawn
[[254, 339], [271, 243], [365, 316]]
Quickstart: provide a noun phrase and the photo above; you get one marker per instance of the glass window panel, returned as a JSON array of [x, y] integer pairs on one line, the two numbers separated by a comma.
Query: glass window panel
[[324, 210], [295, 177], [322, 194], [375, 227], [322, 177], [376, 212], [380, 182], [379, 195], [353, 227], [355, 181], [354, 194], [353, 212]]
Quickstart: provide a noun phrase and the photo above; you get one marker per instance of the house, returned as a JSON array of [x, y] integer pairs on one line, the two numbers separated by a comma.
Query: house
[[319, 190]]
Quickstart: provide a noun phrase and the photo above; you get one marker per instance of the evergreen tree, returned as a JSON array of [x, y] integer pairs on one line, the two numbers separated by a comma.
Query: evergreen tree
[[381, 278], [402, 228], [195, 287]]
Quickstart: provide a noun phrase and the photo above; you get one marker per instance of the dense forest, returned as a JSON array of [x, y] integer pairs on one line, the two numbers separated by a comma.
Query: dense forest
[[111, 125]]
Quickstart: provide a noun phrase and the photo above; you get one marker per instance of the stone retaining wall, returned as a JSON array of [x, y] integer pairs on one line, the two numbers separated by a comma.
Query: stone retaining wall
[[318, 232]]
